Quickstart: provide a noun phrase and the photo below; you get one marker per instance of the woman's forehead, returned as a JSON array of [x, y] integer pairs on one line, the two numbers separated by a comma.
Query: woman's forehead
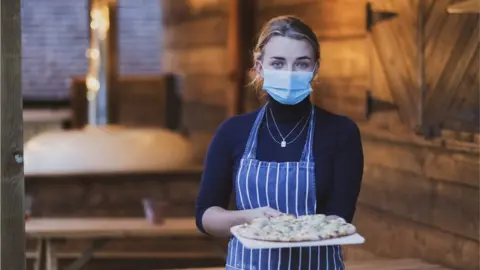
[[287, 48]]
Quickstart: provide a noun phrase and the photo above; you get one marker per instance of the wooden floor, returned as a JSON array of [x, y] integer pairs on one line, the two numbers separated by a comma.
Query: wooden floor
[[399, 264]]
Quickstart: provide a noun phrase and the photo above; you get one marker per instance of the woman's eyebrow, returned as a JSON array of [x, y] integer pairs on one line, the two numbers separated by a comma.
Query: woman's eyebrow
[[304, 58]]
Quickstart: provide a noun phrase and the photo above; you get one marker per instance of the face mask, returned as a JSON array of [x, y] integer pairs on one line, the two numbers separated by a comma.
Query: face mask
[[287, 87]]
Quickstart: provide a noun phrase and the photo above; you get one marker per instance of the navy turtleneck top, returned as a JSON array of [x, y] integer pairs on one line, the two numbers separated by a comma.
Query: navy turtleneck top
[[337, 151]]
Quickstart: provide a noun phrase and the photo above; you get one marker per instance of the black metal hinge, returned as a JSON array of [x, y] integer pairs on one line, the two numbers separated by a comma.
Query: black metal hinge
[[375, 105], [374, 17]]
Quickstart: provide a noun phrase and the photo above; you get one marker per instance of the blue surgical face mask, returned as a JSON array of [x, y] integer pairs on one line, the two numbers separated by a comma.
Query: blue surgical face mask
[[287, 87]]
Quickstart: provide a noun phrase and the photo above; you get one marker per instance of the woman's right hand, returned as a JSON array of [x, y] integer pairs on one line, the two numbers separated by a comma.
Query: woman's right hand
[[250, 214]]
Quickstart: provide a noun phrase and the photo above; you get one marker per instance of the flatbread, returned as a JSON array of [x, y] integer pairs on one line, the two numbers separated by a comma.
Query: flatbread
[[288, 228]]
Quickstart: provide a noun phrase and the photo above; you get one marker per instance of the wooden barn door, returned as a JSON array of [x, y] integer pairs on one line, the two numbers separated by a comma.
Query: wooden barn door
[[425, 62], [395, 57], [451, 55]]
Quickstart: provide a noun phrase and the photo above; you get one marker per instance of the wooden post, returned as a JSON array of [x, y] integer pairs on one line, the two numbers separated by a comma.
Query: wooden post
[[12, 215], [241, 32], [111, 55]]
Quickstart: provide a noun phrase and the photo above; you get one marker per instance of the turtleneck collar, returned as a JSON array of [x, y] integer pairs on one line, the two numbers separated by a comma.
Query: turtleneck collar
[[289, 113]]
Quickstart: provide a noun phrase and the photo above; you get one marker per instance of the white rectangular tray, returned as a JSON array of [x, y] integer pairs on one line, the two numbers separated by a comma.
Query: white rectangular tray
[[354, 239]]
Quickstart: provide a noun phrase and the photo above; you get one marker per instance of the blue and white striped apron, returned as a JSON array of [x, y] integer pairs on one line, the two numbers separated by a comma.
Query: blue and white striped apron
[[288, 187]]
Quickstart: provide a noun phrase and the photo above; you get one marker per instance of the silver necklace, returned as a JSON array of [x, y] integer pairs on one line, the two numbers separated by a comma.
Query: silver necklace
[[284, 143]]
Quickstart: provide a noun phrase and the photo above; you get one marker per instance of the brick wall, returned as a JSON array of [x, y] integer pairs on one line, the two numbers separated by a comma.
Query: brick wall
[[55, 37]]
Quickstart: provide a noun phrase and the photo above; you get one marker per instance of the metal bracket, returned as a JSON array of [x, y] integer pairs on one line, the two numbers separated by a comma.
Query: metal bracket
[[374, 17], [375, 105]]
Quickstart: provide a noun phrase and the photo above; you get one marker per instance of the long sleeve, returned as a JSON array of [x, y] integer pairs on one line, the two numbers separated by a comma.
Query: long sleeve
[[216, 185], [347, 174]]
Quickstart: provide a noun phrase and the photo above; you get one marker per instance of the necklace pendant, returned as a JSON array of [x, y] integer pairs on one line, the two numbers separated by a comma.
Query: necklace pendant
[[283, 143]]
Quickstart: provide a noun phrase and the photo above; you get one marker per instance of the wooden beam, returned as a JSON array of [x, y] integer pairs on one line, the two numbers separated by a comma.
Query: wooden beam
[[12, 215], [241, 32], [469, 6]]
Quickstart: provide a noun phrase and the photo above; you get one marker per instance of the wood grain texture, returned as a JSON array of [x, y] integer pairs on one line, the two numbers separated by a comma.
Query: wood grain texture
[[12, 243], [392, 236], [204, 32], [434, 163], [395, 45], [205, 61], [143, 101], [446, 206], [328, 19], [64, 228], [198, 116], [178, 11], [208, 89], [451, 50], [342, 82]]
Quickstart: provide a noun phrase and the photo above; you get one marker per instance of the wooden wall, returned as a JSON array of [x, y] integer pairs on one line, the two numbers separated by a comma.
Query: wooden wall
[[420, 197], [340, 26], [195, 47]]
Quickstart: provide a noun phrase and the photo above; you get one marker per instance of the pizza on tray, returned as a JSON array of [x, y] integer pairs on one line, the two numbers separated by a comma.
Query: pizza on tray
[[288, 228]]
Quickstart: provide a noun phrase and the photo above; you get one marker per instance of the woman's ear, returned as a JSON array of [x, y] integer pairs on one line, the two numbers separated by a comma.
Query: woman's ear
[[259, 68], [316, 69]]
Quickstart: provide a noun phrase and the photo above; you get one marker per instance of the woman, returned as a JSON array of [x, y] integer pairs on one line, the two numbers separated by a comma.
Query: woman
[[288, 157]]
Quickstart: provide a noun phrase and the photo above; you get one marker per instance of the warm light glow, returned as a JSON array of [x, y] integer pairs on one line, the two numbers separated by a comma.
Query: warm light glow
[[100, 20], [92, 54], [92, 83], [99, 26]]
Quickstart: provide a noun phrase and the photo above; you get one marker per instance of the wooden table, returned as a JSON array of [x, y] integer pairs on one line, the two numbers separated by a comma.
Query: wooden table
[[51, 231], [394, 264]]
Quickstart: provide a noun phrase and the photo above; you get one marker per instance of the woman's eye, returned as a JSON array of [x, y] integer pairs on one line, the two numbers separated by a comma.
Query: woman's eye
[[303, 65], [277, 64]]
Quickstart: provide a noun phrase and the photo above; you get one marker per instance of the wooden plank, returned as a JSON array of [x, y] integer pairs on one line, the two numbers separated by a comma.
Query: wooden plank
[[393, 155], [263, 4], [452, 208], [207, 89], [404, 194], [328, 19], [352, 107], [344, 59], [456, 209], [198, 116], [468, 6], [241, 33], [464, 114], [12, 215], [178, 11], [341, 84], [135, 255], [395, 44], [204, 32], [456, 167], [65, 228], [454, 59], [205, 61], [392, 236]]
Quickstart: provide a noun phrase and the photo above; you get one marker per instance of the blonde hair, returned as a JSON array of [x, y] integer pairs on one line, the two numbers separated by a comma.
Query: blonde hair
[[284, 26]]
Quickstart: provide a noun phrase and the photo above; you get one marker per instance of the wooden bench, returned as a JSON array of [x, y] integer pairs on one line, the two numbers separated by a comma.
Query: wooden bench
[[50, 232], [394, 264]]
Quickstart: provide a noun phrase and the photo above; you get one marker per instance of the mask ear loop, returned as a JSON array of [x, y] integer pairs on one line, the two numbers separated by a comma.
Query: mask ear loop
[[262, 68]]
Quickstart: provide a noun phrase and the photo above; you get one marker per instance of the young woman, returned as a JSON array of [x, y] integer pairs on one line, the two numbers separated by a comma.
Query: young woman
[[288, 157]]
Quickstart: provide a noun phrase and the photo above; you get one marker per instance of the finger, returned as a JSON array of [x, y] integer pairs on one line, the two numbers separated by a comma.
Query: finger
[[273, 213]]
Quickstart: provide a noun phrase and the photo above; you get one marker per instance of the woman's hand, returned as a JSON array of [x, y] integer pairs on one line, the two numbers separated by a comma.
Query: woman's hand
[[250, 214]]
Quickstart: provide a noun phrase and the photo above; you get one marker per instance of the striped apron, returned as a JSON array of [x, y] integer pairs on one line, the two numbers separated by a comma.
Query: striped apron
[[288, 187]]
